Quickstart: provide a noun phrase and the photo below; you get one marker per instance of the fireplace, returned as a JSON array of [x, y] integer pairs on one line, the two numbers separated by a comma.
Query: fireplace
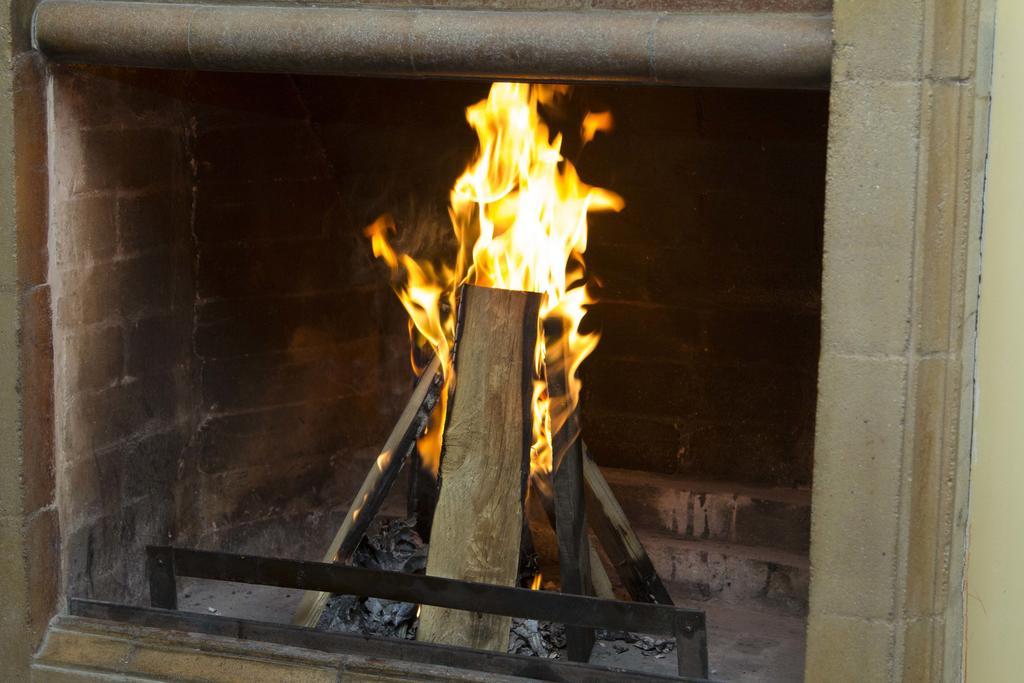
[[228, 357], [231, 357]]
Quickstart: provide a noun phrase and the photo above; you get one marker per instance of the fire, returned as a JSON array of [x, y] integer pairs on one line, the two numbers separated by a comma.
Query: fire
[[519, 213]]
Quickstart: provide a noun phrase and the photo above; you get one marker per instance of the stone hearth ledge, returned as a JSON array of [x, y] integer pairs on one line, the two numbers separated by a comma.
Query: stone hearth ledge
[[760, 50]]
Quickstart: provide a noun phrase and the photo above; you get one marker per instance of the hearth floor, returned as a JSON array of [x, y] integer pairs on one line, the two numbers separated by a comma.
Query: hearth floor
[[745, 646]]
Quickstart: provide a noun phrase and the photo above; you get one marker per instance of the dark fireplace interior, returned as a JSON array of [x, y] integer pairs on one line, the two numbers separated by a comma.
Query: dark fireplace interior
[[230, 356]]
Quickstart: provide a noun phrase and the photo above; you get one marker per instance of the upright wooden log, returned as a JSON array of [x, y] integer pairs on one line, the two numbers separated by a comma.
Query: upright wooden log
[[378, 482], [624, 550], [485, 461], [567, 478]]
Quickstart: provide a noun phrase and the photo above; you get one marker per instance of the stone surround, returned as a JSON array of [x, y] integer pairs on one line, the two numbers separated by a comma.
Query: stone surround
[[906, 135]]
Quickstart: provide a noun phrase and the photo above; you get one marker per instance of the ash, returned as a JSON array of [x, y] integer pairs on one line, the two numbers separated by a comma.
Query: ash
[[393, 545], [389, 545]]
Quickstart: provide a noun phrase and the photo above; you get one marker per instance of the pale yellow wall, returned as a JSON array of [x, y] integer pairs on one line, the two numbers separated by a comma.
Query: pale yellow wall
[[995, 571]]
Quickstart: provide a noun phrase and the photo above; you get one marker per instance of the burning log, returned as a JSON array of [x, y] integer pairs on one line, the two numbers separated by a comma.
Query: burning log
[[540, 486], [624, 550], [567, 477], [485, 460], [378, 482]]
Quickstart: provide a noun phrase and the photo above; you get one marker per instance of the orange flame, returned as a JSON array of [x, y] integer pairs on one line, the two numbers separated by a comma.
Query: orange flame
[[519, 212]]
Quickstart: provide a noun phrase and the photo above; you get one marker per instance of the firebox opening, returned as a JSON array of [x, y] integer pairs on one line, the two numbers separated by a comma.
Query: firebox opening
[[230, 357]]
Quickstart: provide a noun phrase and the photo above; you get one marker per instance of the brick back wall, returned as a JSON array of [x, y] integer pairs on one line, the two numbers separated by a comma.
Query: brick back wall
[[711, 282], [229, 355], [121, 268], [292, 324]]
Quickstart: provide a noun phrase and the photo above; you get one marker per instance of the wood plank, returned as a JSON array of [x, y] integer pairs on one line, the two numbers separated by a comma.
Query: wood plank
[[377, 484], [485, 461], [567, 478], [620, 543], [541, 489]]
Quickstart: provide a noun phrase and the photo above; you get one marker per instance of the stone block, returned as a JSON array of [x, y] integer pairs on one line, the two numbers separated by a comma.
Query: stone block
[[778, 336], [110, 416], [287, 151], [42, 673], [157, 345], [143, 284], [131, 158], [155, 220], [766, 115], [878, 40], [756, 453], [276, 268], [718, 5], [870, 217], [922, 660], [42, 554], [942, 219], [94, 358], [669, 391], [712, 516], [31, 201], [180, 664], [115, 96], [654, 217], [244, 383], [273, 490], [266, 210], [500, 4], [842, 649], [16, 645], [749, 221], [950, 40], [226, 101], [930, 488], [752, 578], [772, 523], [260, 325], [87, 650], [36, 357], [656, 504], [635, 332], [86, 297], [636, 273], [737, 393], [288, 432], [147, 283], [151, 464], [858, 460], [635, 442], [86, 230]]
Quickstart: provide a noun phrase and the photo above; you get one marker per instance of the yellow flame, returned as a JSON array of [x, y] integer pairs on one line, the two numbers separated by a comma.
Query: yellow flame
[[519, 213], [536, 581]]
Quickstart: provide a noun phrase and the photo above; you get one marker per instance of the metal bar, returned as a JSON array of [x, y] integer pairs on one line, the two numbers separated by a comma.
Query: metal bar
[[692, 648], [408, 651], [163, 588], [432, 590], [748, 50]]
